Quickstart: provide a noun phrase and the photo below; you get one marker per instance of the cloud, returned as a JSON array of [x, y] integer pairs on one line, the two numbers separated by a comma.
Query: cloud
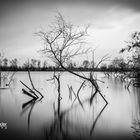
[[20, 19], [134, 4], [9, 7]]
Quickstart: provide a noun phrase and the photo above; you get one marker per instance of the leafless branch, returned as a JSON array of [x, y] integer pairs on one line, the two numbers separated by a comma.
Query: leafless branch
[[104, 58], [77, 94], [29, 89], [63, 42], [33, 85]]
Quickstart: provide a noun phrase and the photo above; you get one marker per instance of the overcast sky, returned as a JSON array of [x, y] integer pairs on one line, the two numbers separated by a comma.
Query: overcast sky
[[112, 22]]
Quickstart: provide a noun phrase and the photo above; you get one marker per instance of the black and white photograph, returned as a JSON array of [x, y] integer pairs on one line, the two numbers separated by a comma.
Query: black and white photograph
[[69, 70]]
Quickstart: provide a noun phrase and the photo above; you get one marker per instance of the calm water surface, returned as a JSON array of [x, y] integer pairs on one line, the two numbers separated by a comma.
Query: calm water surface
[[96, 121]]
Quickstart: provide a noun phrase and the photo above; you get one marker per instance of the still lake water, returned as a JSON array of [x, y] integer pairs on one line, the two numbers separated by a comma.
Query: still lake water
[[97, 121]]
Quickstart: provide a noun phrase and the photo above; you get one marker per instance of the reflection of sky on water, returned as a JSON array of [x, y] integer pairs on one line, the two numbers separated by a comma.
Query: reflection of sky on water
[[117, 116], [115, 120], [136, 103]]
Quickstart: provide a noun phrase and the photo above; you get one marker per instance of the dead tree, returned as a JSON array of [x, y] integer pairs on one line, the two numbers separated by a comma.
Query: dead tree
[[76, 94], [56, 77], [5, 75], [32, 92], [62, 43]]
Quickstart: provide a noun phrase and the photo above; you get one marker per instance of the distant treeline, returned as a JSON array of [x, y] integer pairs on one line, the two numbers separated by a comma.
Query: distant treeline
[[102, 69], [117, 64]]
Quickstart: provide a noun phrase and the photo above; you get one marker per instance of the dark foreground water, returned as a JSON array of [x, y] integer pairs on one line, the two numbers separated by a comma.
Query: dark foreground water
[[29, 119]]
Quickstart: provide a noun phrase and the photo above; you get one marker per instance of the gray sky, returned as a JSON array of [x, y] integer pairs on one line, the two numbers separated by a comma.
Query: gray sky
[[112, 22]]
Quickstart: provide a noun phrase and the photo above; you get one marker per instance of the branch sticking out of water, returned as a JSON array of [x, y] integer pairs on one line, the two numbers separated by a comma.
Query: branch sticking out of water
[[11, 78], [35, 96], [33, 84], [77, 95], [70, 92]]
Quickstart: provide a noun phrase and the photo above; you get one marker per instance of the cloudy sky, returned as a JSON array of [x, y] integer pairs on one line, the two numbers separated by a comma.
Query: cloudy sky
[[112, 22]]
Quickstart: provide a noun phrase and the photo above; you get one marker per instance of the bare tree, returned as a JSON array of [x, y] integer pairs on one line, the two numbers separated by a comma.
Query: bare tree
[[25, 65], [104, 58], [5, 62], [14, 63], [45, 64], [32, 92], [6, 75], [62, 43], [85, 64], [38, 64]]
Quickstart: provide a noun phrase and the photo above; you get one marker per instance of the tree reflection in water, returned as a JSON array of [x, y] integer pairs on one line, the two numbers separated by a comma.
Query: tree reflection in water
[[136, 118], [61, 122], [61, 117], [57, 130], [136, 129], [29, 105]]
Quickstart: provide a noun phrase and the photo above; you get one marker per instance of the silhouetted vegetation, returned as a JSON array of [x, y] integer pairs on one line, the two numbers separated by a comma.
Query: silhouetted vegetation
[[11, 65]]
